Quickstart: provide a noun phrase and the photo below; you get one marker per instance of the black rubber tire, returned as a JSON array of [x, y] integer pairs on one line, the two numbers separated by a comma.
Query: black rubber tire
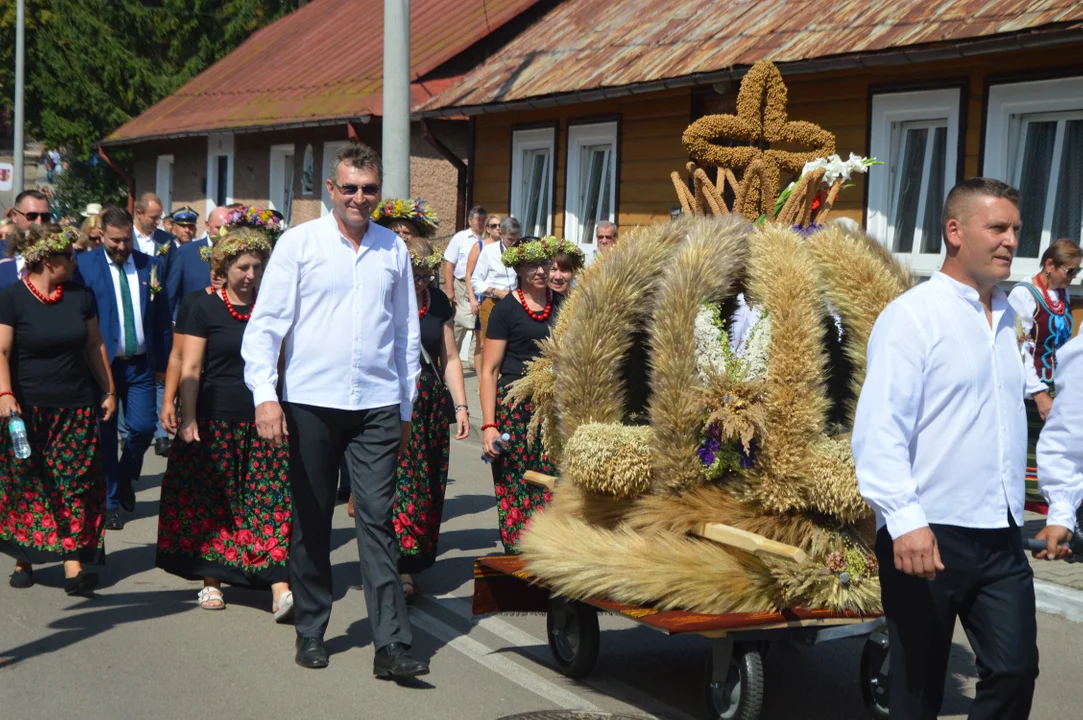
[[875, 672], [574, 637], [742, 696]]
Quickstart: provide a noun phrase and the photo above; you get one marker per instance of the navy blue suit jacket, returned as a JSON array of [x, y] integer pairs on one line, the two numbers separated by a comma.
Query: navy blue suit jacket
[[92, 270], [8, 274], [165, 246], [187, 272]]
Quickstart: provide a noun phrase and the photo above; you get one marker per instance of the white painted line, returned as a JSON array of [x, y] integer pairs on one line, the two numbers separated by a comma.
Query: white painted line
[[528, 643], [484, 656], [1056, 599]]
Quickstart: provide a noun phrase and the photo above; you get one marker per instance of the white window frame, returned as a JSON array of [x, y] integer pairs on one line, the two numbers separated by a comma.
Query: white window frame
[[163, 182], [219, 145], [1009, 106], [278, 192], [890, 109], [330, 149], [578, 137], [535, 139]]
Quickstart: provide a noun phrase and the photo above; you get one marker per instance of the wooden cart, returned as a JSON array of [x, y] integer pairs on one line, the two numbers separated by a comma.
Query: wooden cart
[[734, 681]]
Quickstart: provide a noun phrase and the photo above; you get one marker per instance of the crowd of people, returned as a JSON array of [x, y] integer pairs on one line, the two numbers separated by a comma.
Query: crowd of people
[[130, 332]]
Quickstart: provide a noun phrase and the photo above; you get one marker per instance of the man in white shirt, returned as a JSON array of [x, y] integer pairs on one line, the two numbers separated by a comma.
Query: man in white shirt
[[455, 257], [149, 238], [338, 299], [491, 279], [939, 444]]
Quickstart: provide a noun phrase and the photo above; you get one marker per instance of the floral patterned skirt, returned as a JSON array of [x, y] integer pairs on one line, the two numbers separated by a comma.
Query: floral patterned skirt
[[516, 498], [225, 507], [51, 503], [422, 477]]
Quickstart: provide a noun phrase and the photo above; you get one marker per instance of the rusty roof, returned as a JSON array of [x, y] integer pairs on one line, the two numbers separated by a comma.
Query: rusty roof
[[321, 63], [582, 47]]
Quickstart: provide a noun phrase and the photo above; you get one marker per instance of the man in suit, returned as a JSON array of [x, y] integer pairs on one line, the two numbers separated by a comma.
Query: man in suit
[[155, 242], [136, 327], [31, 208], [188, 271], [184, 225]]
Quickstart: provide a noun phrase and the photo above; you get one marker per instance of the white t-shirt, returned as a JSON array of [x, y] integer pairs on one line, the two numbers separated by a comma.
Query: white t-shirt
[[458, 251]]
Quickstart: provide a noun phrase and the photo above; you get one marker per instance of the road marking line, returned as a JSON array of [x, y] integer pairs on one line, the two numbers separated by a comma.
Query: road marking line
[[485, 656], [528, 644]]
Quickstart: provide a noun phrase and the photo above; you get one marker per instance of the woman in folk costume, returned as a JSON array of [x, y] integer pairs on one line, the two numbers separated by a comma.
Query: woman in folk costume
[[519, 322], [423, 466], [224, 514], [1045, 322], [54, 373]]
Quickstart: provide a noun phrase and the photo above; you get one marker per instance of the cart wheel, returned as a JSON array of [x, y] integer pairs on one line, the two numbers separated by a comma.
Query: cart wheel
[[740, 696], [875, 671], [574, 637]]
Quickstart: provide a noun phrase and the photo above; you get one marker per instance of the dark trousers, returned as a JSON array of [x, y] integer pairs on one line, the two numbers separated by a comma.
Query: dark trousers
[[987, 583], [135, 393], [370, 440]]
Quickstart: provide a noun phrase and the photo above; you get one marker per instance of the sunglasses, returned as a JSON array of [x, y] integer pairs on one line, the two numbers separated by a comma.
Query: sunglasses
[[351, 190], [493, 226], [34, 216], [1072, 272], [423, 278]]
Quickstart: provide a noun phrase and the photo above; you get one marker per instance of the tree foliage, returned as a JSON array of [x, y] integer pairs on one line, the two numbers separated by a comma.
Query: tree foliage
[[92, 65]]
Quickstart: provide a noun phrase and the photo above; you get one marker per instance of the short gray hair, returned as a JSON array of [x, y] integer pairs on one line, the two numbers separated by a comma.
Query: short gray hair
[[604, 225], [360, 156], [510, 226]]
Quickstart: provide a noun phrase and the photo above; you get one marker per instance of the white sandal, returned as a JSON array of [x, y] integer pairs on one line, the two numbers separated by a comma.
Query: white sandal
[[211, 595], [285, 607]]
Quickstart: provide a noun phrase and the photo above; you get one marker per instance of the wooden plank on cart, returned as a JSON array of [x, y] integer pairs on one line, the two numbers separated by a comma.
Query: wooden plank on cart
[[749, 542], [537, 478]]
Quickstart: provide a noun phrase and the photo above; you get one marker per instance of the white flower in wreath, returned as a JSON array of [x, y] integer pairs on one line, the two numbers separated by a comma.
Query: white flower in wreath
[[709, 337]]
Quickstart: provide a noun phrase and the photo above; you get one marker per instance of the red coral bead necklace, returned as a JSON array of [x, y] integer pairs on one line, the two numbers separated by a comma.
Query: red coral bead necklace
[[424, 305], [40, 296], [537, 316], [1055, 306], [236, 315]]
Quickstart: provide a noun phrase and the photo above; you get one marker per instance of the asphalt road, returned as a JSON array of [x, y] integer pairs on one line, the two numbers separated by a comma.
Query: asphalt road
[[140, 648]]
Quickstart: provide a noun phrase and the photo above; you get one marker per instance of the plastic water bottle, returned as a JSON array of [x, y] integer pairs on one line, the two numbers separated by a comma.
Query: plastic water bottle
[[499, 445], [18, 437]]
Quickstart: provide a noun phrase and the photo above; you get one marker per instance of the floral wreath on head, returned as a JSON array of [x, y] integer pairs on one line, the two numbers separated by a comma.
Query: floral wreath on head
[[59, 243], [429, 262], [535, 250], [415, 210], [266, 221], [234, 244]]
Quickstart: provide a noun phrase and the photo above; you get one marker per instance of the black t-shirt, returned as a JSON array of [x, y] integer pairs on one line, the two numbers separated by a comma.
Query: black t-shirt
[[432, 326], [48, 361], [510, 322], [222, 392], [185, 309]]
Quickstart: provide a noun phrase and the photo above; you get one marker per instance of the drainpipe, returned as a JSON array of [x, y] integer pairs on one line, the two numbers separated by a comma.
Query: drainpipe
[[460, 167], [123, 176]]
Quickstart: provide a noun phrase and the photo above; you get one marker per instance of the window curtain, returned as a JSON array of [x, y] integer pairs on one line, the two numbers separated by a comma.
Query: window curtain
[[908, 177], [1068, 209], [931, 230], [595, 179], [1034, 184], [287, 200], [535, 191]]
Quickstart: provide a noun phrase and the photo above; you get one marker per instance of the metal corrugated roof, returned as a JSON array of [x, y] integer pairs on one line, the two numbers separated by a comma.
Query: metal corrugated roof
[[322, 62], [589, 45]]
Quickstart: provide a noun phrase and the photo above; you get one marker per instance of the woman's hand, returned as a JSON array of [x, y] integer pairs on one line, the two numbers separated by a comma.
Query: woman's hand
[[9, 405], [168, 417], [462, 421], [489, 442], [108, 407], [475, 306], [189, 432], [1044, 401]]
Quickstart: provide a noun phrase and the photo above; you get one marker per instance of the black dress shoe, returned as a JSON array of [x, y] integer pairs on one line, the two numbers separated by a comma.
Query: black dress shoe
[[394, 662], [310, 652], [21, 579], [81, 583], [126, 496], [161, 446], [113, 520]]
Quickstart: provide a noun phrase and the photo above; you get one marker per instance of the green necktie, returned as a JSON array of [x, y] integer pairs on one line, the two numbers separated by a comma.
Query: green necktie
[[130, 341]]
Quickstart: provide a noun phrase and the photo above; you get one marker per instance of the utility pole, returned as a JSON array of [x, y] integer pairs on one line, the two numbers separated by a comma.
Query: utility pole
[[20, 120], [396, 120]]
